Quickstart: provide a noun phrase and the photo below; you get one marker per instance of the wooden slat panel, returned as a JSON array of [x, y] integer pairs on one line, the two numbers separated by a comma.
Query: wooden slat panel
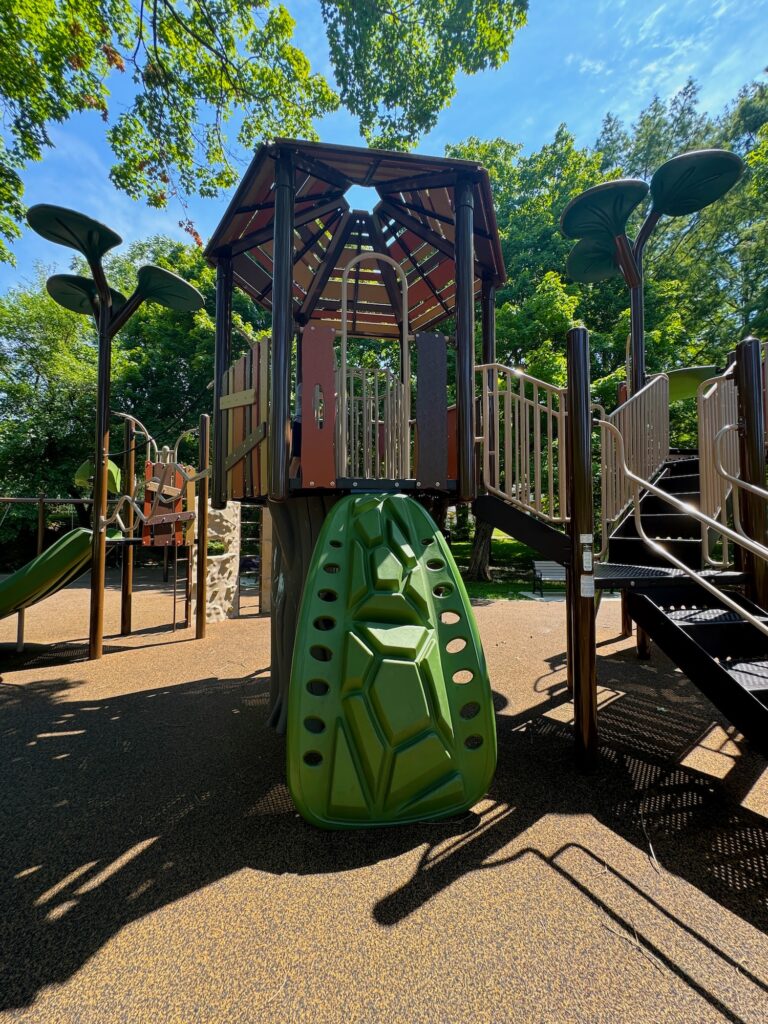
[[431, 410], [318, 460], [249, 425], [230, 427], [238, 431], [263, 411]]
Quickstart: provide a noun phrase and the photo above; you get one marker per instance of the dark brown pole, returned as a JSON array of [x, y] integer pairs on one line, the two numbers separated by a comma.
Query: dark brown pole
[[752, 457], [129, 479], [40, 524], [279, 432], [581, 578], [99, 544], [222, 357], [465, 337], [202, 529]]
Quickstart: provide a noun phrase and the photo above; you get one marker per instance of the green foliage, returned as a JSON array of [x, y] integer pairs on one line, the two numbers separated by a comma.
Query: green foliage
[[210, 79]]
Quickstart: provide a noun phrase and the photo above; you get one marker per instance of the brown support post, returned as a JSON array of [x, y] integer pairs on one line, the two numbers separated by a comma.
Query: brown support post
[[222, 357], [279, 431], [581, 580], [99, 545], [626, 618], [465, 337], [40, 524], [753, 464], [202, 527], [129, 481]]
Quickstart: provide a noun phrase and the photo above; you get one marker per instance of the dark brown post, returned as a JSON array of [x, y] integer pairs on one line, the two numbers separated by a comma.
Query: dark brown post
[[40, 524], [202, 528], [99, 544], [129, 480], [222, 357], [752, 457], [581, 580], [279, 432], [464, 202]]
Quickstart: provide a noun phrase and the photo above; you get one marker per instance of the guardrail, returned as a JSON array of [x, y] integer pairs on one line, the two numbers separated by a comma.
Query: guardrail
[[643, 424], [372, 433], [717, 408], [523, 441]]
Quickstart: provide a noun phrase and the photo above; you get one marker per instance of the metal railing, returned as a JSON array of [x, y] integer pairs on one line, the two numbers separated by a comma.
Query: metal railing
[[717, 408], [642, 422], [523, 441], [372, 434]]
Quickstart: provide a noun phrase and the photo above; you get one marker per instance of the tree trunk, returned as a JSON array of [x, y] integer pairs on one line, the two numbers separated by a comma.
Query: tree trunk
[[480, 558], [296, 525]]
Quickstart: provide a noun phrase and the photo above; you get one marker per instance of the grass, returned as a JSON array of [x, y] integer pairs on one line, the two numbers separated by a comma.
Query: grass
[[511, 568]]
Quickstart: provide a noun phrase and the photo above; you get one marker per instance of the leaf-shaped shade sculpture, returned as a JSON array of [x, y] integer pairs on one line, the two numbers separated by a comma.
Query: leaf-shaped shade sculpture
[[603, 209], [68, 227], [167, 289], [79, 293], [592, 260], [689, 182]]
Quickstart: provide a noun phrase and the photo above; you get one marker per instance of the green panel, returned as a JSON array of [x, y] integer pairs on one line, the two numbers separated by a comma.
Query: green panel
[[684, 383], [691, 181], [167, 289], [84, 476], [73, 229], [603, 209], [62, 562], [592, 260], [378, 731]]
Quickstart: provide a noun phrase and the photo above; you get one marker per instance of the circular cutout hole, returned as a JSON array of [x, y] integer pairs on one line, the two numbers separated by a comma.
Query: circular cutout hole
[[318, 687], [473, 742], [442, 589], [335, 543], [324, 622], [313, 758], [313, 724], [435, 564], [332, 568], [462, 676], [456, 645], [320, 653], [450, 618], [470, 710], [327, 595]]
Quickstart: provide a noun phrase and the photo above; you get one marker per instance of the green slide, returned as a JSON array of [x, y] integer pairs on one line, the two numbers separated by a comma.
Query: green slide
[[684, 382], [390, 711], [61, 563]]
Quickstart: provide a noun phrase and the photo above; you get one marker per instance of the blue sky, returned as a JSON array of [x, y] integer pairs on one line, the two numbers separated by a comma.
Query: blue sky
[[575, 60]]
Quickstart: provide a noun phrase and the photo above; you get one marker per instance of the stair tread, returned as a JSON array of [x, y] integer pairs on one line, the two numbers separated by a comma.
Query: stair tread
[[702, 616], [751, 673]]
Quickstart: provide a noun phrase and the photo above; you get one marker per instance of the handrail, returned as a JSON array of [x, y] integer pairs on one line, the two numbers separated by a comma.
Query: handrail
[[523, 461], [716, 406], [746, 542]]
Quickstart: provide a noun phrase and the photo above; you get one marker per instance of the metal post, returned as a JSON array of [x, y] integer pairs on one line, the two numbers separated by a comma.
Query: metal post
[[279, 432], [581, 579], [637, 305], [99, 543], [222, 356], [129, 483], [202, 528], [40, 524], [464, 202], [753, 463]]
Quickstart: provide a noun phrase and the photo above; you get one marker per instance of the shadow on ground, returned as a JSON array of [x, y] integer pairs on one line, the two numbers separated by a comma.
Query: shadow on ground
[[114, 808]]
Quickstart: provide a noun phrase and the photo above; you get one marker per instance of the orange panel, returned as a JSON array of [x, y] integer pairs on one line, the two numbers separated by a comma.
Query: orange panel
[[318, 407]]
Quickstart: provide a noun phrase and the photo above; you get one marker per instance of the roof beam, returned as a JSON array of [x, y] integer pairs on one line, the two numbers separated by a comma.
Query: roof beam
[[266, 233], [321, 170], [302, 252], [420, 230], [326, 268], [317, 198], [387, 272]]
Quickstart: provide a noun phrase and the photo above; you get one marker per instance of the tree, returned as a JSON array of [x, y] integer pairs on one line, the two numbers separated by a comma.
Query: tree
[[210, 78]]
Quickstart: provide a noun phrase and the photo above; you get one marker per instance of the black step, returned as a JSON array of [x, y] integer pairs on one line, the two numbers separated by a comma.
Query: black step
[[651, 504], [634, 551], [674, 526], [736, 682], [683, 466], [678, 483]]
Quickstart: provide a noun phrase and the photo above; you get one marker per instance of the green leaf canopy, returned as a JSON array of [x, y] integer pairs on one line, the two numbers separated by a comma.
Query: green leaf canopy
[[689, 182], [73, 229], [592, 260], [168, 289], [79, 293], [603, 209]]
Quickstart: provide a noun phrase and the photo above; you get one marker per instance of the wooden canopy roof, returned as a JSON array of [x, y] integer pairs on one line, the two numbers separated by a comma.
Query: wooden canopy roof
[[413, 222]]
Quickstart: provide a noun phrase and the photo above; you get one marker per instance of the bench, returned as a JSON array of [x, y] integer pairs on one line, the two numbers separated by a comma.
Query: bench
[[547, 572]]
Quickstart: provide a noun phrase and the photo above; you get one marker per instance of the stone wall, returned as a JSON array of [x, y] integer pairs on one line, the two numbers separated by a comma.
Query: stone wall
[[223, 570]]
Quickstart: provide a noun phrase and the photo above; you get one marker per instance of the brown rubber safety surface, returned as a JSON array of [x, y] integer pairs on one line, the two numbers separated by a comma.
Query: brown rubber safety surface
[[154, 868]]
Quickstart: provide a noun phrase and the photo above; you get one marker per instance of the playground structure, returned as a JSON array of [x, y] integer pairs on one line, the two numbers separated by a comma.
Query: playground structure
[[518, 448], [168, 486]]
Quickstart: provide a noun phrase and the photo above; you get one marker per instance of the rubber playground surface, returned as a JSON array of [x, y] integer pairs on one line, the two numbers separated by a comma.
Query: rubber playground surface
[[155, 870]]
